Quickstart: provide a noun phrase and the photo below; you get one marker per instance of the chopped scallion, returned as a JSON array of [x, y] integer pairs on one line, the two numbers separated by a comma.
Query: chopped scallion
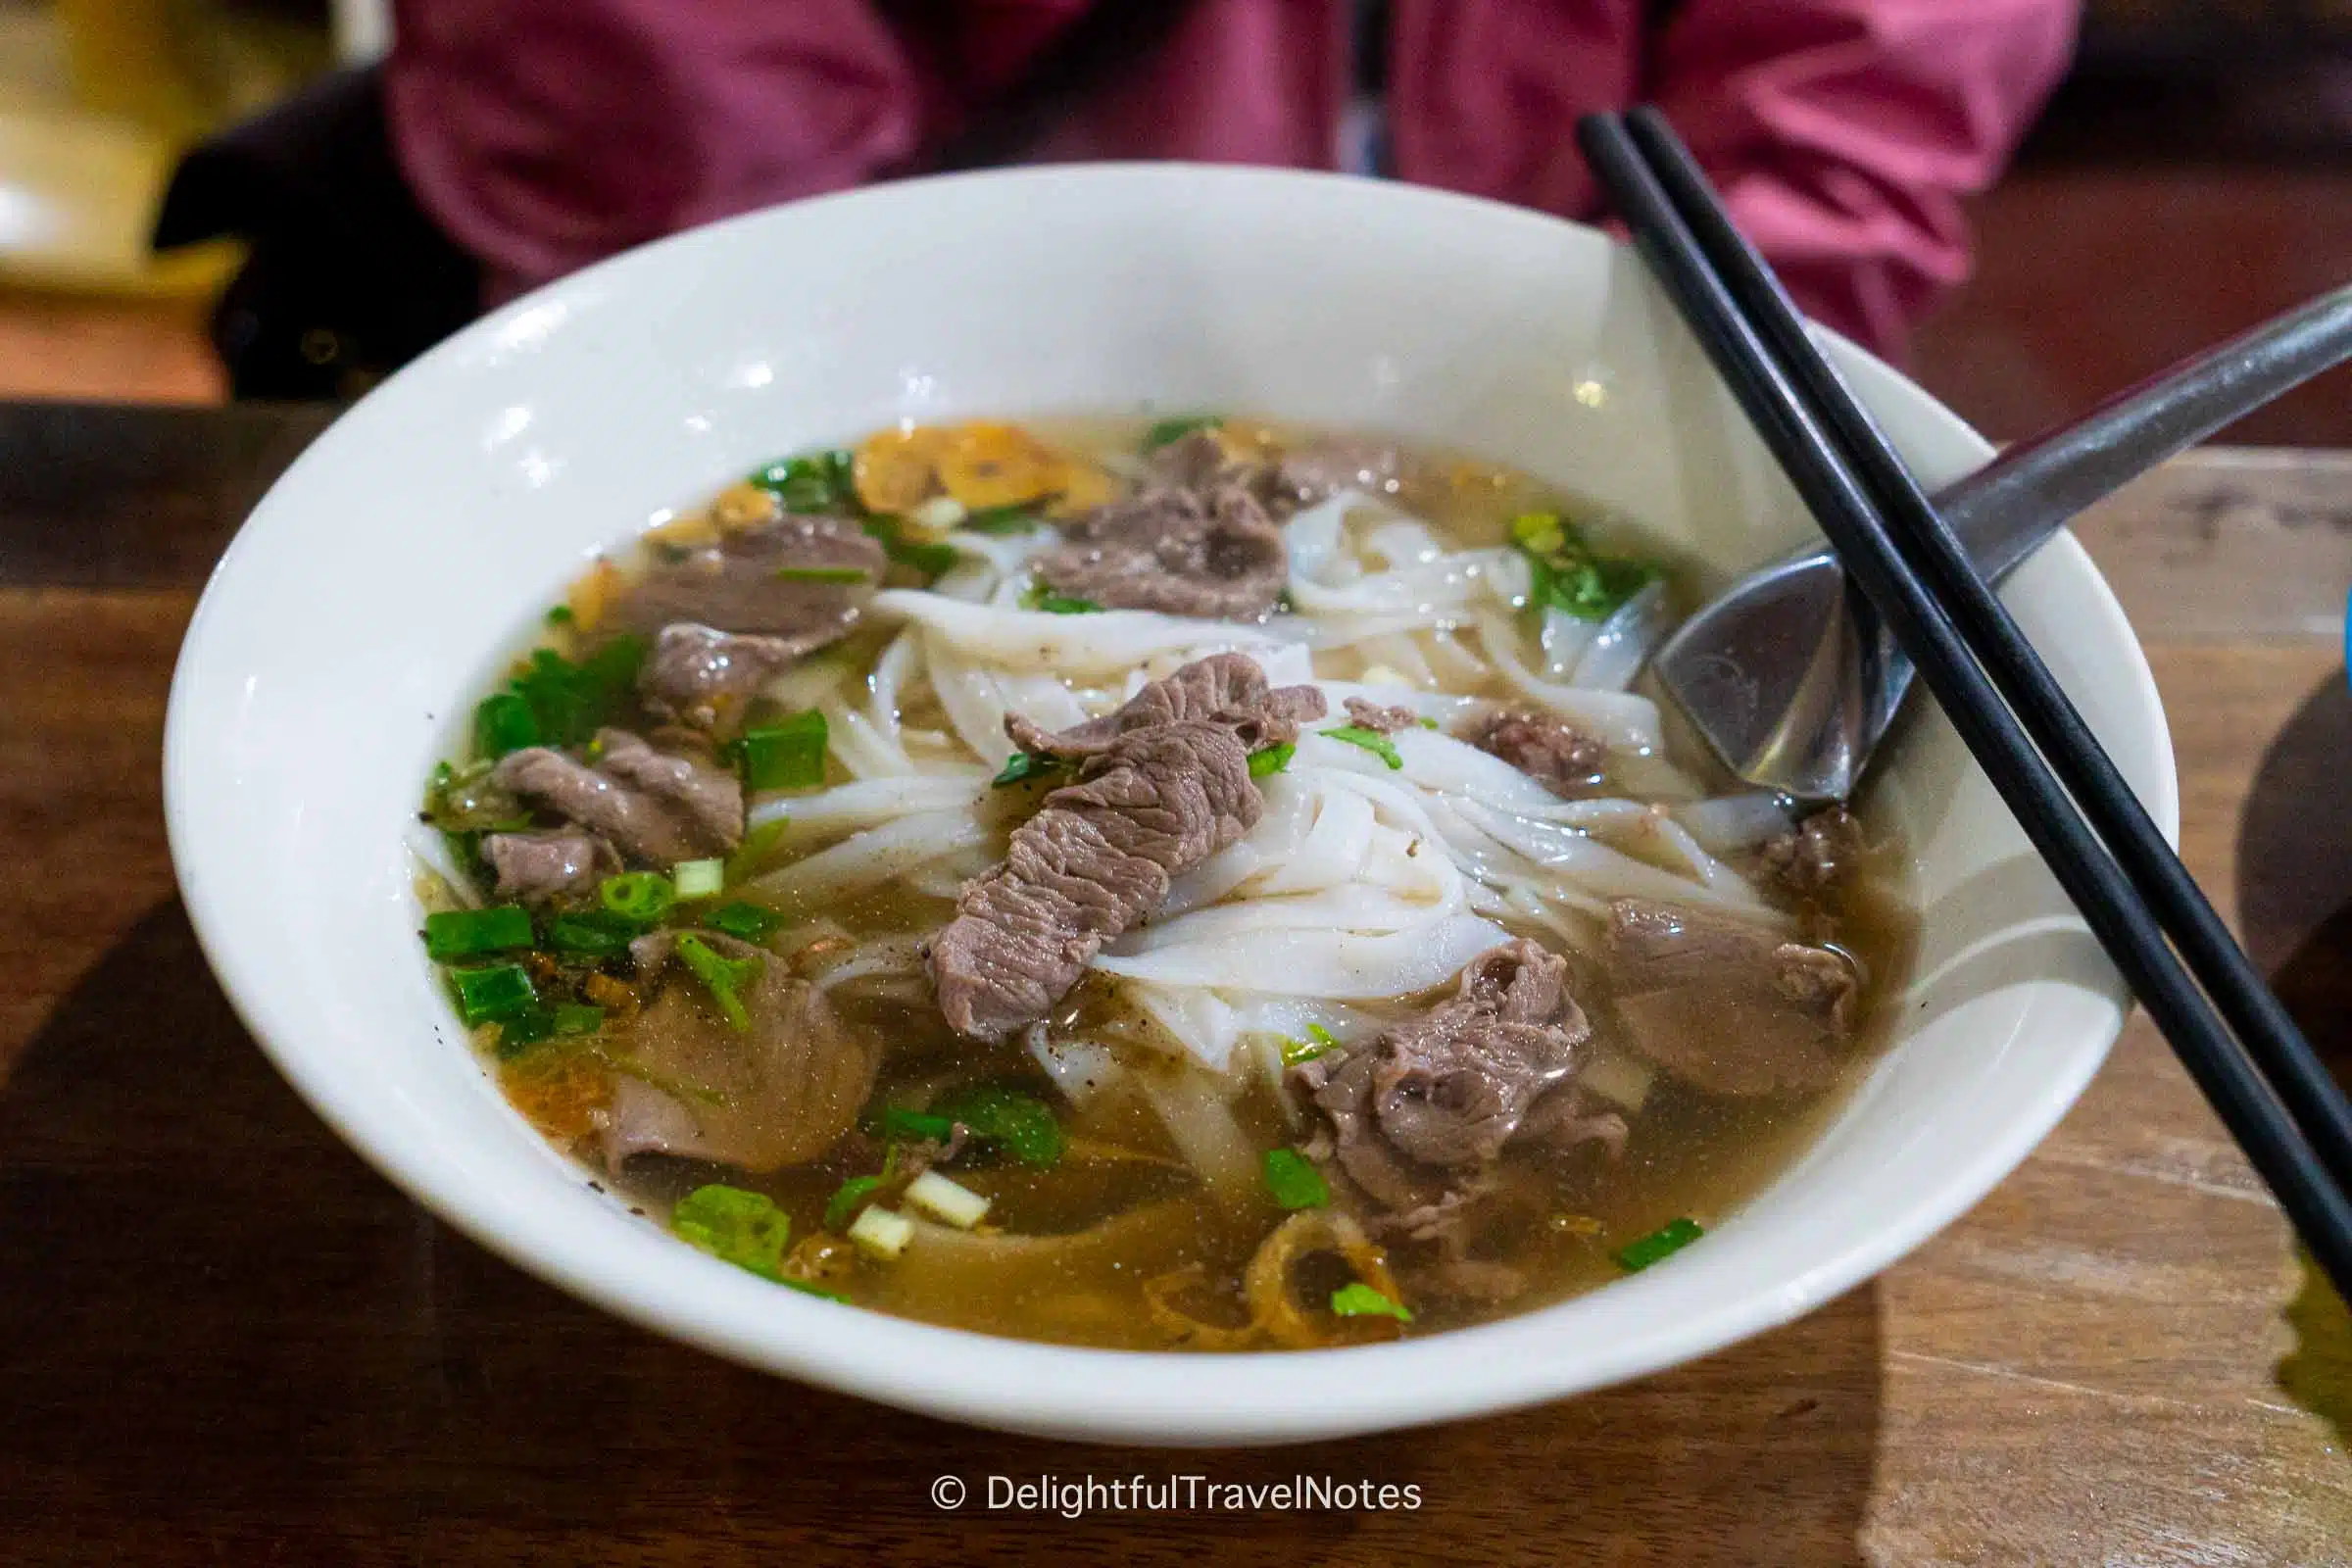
[[843, 1206], [820, 481], [1358, 1299], [1659, 1245], [881, 1234], [1023, 765], [788, 754], [561, 616], [578, 1018], [492, 992], [1020, 1125], [843, 575], [1016, 518], [735, 1226], [644, 897], [1371, 740], [1322, 1036], [1293, 1180], [592, 934], [1268, 761], [1295, 1051], [1041, 597], [918, 1125], [1167, 432], [698, 879], [464, 933], [726, 979], [948, 1201], [747, 921]]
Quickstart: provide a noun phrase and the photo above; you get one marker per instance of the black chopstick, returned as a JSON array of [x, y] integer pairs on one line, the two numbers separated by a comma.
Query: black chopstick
[[1848, 510], [2269, 1036]]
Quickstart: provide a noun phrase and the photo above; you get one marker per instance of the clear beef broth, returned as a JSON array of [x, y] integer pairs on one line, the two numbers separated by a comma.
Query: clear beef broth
[[1132, 1237]]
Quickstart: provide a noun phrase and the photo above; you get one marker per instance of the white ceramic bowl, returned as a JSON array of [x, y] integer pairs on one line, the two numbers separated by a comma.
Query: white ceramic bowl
[[372, 593]]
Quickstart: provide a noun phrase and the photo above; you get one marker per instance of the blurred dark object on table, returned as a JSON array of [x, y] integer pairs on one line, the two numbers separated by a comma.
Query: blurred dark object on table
[[347, 279]]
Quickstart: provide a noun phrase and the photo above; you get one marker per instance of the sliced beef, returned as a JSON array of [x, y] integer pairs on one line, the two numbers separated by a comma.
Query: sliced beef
[[746, 583], [1211, 552], [653, 806], [1164, 783], [781, 1093], [1228, 689], [535, 867], [1554, 754], [1823, 851], [1380, 718], [1728, 1007], [1320, 469], [705, 678], [1442, 1094]]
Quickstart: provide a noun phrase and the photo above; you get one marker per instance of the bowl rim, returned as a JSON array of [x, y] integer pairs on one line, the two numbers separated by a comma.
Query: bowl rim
[[1101, 1394]]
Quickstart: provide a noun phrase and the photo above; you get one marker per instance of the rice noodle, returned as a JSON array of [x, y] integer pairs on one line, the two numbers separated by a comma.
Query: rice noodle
[[1730, 823], [874, 856], [1344, 966], [1106, 642], [1624, 642], [869, 802], [1625, 722]]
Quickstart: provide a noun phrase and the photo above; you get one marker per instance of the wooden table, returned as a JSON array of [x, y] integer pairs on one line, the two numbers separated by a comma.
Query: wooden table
[[225, 1338]]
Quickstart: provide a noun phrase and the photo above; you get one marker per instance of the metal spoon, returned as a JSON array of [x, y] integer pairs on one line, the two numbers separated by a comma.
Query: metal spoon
[[1788, 674]]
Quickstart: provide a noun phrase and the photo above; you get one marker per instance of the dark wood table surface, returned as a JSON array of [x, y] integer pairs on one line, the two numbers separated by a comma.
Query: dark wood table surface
[[223, 1338]]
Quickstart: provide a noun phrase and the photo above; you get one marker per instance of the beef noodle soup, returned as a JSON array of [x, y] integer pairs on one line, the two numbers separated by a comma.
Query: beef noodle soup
[[1211, 886]]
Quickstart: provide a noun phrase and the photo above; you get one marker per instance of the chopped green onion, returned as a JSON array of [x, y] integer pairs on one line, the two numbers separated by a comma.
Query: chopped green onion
[[843, 1206], [1270, 759], [577, 1018], [757, 845], [698, 879], [1295, 1051], [518, 1032], [492, 992], [463, 933], [1022, 1125], [1293, 1180], [816, 482], [747, 921], [1019, 518], [949, 1202], [1285, 603], [926, 555], [919, 1125], [1429, 723], [734, 1226], [1322, 1036], [1566, 573], [504, 723], [1659, 1245], [1041, 597], [592, 934], [726, 979], [1358, 1299], [807, 1289], [850, 575], [1371, 740], [644, 897], [788, 754], [1167, 432], [561, 616], [1022, 766], [555, 701], [881, 1234]]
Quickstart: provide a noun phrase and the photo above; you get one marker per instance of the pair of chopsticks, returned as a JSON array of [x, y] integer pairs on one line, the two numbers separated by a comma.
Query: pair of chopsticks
[[2237, 1040]]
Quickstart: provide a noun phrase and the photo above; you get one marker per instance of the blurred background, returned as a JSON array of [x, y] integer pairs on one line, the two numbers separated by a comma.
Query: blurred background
[[2194, 174]]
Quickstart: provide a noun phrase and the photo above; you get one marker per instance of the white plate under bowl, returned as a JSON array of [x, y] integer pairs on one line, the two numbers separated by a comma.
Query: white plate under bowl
[[364, 605]]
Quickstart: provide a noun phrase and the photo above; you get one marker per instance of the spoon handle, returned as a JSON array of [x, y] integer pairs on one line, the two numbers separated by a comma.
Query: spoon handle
[[2004, 511]]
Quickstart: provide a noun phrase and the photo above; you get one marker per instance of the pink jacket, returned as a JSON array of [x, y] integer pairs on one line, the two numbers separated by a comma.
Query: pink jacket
[[546, 133]]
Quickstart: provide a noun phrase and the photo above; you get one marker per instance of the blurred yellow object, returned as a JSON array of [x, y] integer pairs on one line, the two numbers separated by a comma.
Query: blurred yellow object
[[98, 98], [76, 198]]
